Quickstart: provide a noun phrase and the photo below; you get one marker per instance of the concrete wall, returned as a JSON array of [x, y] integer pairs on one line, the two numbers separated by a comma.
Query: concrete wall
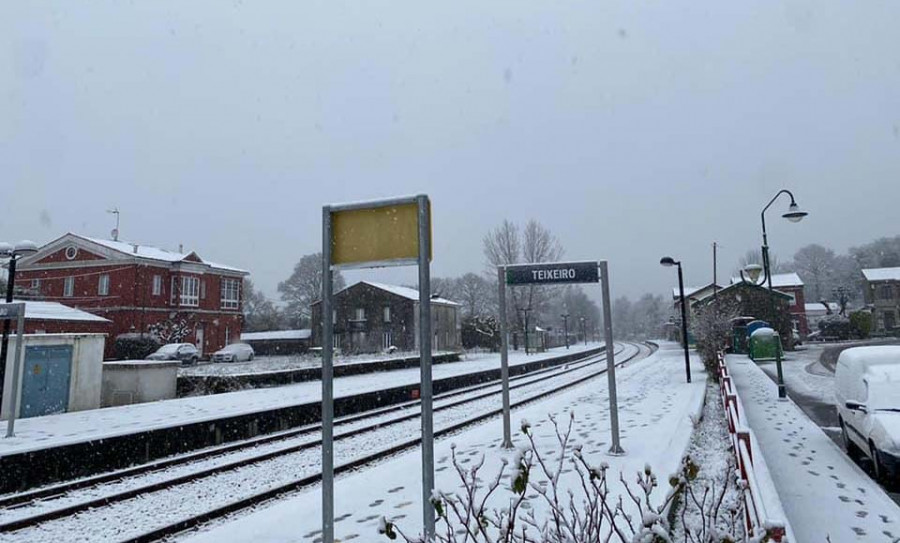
[[86, 374], [139, 381]]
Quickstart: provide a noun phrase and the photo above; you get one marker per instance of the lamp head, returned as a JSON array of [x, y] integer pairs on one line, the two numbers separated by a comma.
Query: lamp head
[[753, 271], [668, 261], [5, 249], [794, 213]]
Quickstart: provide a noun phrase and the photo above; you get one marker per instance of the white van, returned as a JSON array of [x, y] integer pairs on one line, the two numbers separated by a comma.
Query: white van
[[867, 394]]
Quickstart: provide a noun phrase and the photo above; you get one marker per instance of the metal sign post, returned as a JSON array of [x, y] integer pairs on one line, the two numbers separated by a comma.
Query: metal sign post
[[615, 448], [393, 232], [15, 312], [558, 273]]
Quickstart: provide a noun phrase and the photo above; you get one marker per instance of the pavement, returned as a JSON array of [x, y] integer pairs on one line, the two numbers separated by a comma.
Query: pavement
[[825, 495]]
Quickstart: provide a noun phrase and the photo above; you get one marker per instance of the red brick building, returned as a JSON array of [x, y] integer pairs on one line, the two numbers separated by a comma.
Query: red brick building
[[173, 295], [792, 285]]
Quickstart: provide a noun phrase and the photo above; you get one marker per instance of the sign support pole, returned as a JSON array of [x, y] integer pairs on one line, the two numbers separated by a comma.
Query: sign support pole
[[616, 447], [327, 384], [504, 355], [17, 367], [425, 366]]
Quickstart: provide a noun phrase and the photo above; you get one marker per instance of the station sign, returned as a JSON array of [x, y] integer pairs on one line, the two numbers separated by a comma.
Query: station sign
[[377, 234], [552, 273]]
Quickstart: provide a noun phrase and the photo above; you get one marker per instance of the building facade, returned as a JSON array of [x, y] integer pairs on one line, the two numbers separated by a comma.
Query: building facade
[[882, 292], [792, 285], [372, 317], [173, 296]]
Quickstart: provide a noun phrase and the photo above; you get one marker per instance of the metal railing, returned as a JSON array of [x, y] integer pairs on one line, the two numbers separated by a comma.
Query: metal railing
[[756, 519]]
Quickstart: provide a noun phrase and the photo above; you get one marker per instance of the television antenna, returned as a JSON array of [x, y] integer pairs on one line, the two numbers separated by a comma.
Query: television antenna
[[115, 231]]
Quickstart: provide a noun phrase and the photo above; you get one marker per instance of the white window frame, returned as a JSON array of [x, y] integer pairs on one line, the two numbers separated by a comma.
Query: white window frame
[[386, 339], [173, 293], [202, 289], [103, 285], [336, 341], [69, 287], [386, 313], [157, 285], [231, 294], [190, 291], [359, 313], [35, 284]]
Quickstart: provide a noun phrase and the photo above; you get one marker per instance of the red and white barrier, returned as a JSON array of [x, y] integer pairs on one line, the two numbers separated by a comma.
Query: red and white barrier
[[756, 518]]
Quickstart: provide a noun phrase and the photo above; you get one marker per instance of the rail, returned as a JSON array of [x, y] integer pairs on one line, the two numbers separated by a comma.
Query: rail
[[756, 519]]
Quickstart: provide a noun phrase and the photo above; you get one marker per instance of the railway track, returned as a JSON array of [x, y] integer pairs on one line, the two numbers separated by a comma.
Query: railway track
[[242, 475]]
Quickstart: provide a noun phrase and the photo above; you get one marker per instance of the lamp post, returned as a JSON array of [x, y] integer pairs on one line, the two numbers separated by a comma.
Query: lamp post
[[565, 317], [13, 253], [793, 214], [668, 261], [583, 331], [525, 311]]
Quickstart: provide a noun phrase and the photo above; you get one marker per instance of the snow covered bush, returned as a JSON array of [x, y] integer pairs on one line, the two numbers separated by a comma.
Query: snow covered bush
[[571, 500], [712, 329]]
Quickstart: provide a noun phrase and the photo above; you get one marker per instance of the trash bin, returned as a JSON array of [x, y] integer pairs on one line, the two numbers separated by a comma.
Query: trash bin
[[739, 340], [764, 344]]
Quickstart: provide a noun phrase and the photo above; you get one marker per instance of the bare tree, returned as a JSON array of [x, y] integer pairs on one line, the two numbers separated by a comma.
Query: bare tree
[[816, 266], [260, 314], [304, 287], [476, 294], [754, 256], [507, 244]]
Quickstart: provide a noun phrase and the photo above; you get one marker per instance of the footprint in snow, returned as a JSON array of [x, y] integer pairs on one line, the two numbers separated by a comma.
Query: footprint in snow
[[862, 514], [376, 503], [395, 490], [844, 499], [858, 530]]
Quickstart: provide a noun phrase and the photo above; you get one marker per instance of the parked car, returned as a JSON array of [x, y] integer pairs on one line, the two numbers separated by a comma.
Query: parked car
[[186, 352], [236, 352], [867, 393]]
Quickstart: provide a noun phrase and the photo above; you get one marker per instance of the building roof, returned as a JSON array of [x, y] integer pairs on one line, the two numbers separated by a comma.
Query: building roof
[[53, 311], [690, 291], [882, 274], [779, 280], [277, 335], [734, 286], [154, 253], [404, 292], [817, 307]]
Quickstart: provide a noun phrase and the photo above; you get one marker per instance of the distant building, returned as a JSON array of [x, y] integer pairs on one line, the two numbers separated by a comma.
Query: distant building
[[753, 302], [174, 295], [372, 317], [792, 285], [882, 292], [278, 342]]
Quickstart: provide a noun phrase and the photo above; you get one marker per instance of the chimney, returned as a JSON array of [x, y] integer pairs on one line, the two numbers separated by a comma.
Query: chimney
[[135, 247], [181, 248]]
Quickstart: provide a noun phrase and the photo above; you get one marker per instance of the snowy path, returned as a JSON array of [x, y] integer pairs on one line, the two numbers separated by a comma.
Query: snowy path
[[655, 404], [823, 492], [56, 430]]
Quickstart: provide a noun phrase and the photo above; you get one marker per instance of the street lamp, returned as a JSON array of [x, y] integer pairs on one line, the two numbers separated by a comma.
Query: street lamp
[[583, 332], [668, 262], [793, 214], [565, 317], [525, 310], [13, 253]]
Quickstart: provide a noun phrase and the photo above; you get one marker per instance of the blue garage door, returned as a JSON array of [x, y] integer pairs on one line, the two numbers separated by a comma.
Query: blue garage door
[[45, 383]]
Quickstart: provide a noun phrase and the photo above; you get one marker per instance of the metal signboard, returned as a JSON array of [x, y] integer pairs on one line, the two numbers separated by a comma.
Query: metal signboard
[[375, 234], [392, 232], [552, 273]]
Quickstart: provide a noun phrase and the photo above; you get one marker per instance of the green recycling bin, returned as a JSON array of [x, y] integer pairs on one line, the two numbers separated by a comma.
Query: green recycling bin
[[764, 344]]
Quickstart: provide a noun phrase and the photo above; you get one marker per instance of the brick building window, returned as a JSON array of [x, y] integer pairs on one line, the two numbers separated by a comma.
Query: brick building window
[[886, 292], [359, 314], [387, 314], [231, 294], [202, 289], [69, 287], [190, 291], [157, 285], [103, 285], [35, 284]]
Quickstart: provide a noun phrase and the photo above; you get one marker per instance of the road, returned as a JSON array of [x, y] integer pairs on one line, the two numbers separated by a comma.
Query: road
[[809, 378]]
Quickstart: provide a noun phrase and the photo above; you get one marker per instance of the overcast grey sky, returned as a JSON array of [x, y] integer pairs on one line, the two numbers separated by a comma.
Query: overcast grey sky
[[630, 129]]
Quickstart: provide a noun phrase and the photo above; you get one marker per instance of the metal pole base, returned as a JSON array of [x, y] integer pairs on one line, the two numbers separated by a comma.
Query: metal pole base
[[616, 450], [508, 445], [782, 392]]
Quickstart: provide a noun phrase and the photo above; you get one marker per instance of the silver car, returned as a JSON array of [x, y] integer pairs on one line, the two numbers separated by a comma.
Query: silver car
[[236, 352], [186, 352]]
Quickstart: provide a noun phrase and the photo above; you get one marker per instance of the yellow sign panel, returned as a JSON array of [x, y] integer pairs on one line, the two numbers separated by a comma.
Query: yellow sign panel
[[383, 235]]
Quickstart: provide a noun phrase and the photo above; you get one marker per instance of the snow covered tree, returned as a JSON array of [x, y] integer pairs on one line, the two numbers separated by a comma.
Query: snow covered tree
[[172, 330], [881, 253], [816, 266], [508, 244], [304, 287]]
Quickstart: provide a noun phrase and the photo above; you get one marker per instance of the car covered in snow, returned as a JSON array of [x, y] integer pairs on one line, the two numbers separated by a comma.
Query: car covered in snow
[[186, 352], [236, 352], [867, 394]]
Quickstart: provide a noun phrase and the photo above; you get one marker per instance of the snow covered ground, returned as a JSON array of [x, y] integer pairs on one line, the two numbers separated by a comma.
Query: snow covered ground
[[55, 430], [823, 492], [654, 414]]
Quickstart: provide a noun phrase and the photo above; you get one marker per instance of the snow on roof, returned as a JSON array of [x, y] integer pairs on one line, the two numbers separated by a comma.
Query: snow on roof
[[153, 253], [54, 311], [276, 335], [779, 280], [815, 307], [405, 292], [882, 274], [690, 291], [870, 356]]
